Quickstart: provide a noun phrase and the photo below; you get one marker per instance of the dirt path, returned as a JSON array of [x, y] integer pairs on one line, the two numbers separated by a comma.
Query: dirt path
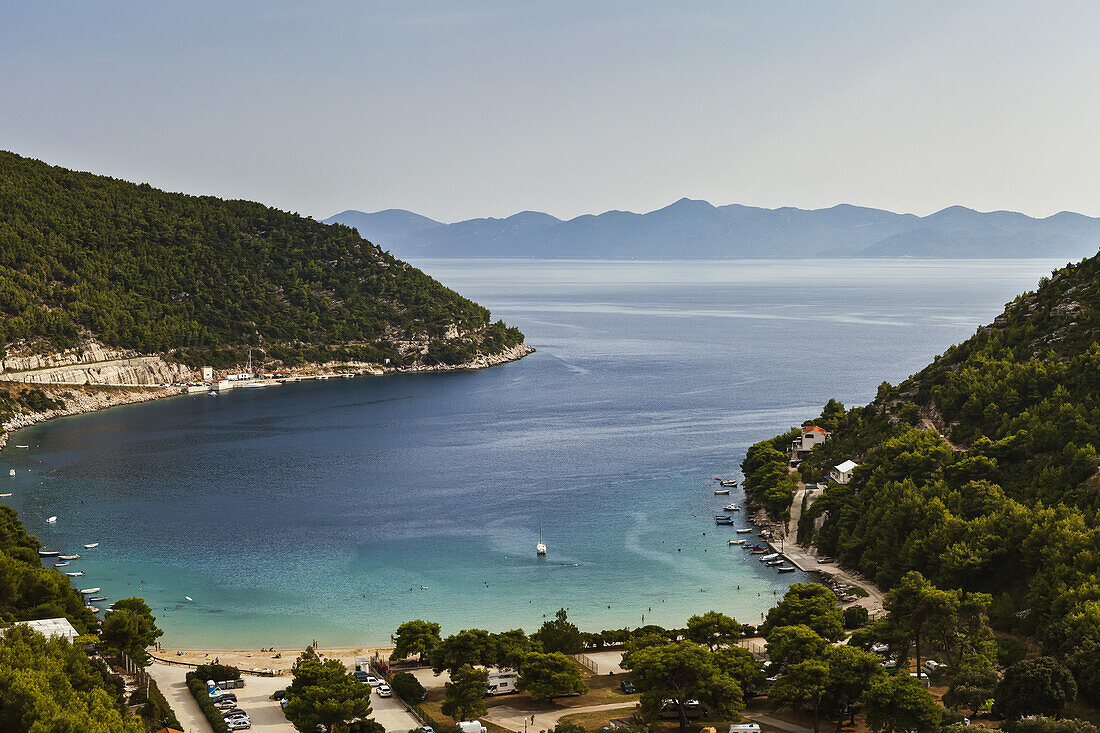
[[513, 718], [927, 424], [805, 558]]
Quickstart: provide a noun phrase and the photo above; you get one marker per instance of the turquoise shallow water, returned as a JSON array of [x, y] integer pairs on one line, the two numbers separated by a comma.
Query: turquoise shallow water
[[318, 510]]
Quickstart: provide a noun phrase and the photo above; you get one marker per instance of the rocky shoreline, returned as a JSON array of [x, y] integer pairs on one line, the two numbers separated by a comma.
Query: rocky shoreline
[[82, 399]]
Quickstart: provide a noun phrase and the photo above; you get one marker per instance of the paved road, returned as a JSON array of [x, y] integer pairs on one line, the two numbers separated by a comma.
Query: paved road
[[170, 681]]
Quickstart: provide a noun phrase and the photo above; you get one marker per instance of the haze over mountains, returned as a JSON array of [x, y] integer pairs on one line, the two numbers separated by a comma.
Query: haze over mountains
[[691, 229]]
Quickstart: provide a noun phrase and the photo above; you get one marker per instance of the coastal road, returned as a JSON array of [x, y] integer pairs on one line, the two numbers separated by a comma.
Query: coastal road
[[172, 686]]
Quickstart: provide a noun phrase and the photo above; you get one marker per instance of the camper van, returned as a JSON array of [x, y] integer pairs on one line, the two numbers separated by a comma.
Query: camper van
[[471, 726], [745, 728], [502, 684]]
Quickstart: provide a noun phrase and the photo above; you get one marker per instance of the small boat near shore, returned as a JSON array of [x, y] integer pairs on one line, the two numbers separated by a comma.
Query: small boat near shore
[[745, 530], [721, 492], [723, 519], [731, 508], [76, 574], [61, 564], [737, 542], [93, 609], [51, 520], [69, 557], [91, 545], [87, 591], [49, 553], [5, 496], [787, 569], [728, 484], [97, 599]]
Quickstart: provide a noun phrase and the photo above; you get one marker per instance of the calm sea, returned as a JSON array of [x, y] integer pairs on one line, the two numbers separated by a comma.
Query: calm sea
[[336, 510]]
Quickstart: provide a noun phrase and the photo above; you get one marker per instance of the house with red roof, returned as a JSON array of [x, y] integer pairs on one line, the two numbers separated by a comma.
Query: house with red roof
[[801, 446]]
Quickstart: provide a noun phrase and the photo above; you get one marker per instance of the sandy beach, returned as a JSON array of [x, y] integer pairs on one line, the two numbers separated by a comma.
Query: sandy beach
[[280, 660]]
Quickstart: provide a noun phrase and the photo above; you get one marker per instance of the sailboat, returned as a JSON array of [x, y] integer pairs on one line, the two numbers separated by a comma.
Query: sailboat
[[540, 548]]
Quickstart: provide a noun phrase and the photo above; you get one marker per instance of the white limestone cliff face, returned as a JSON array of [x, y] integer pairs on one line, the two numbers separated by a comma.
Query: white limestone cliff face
[[93, 363]]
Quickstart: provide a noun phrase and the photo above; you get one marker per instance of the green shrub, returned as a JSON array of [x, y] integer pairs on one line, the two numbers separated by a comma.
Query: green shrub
[[216, 672], [213, 715], [158, 712], [408, 688], [855, 617]]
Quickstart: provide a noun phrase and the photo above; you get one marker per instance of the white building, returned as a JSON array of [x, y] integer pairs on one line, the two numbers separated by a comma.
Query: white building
[[52, 627], [801, 446], [842, 474]]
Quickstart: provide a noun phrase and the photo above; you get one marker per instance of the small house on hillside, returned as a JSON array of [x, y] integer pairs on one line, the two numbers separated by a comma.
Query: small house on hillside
[[801, 446], [842, 474], [52, 627]]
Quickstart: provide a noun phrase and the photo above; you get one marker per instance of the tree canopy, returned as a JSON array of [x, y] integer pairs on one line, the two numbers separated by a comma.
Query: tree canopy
[[464, 695], [547, 676], [324, 693], [683, 671]]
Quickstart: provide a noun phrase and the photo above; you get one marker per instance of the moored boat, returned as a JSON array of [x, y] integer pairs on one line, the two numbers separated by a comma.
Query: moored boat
[[91, 545], [76, 574], [69, 557], [61, 564], [721, 492], [787, 569], [730, 484], [744, 530], [737, 542], [49, 553], [87, 591], [731, 508], [723, 519], [93, 609], [97, 599], [51, 520]]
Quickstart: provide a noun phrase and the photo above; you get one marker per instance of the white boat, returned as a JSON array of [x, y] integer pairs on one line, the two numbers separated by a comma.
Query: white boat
[[11, 471], [721, 492], [93, 609], [51, 520], [540, 548], [737, 542], [772, 556], [731, 508], [5, 496], [189, 598], [787, 569], [61, 564], [728, 483], [69, 557], [22, 446], [77, 574], [49, 553], [744, 530], [87, 591], [91, 545]]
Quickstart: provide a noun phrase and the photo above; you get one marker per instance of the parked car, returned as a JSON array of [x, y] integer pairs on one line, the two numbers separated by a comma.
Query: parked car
[[826, 560], [278, 694], [384, 690], [233, 712], [692, 708], [238, 724], [361, 675], [880, 648], [427, 729], [627, 687], [225, 704], [373, 681], [225, 696]]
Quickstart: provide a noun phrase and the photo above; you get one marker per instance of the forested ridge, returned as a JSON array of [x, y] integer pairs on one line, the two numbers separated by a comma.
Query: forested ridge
[[201, 278], [1008, 504]]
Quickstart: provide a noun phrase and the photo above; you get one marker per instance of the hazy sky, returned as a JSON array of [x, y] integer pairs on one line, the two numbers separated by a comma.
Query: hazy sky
[[457, 110]]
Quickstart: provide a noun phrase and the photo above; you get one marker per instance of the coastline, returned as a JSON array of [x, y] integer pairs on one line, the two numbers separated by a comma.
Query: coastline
[[80, 399]]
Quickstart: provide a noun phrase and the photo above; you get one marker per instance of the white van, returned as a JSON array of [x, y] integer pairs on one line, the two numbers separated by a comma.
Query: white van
[[931, 666], [745, 728], [502, 684], [472, 726]]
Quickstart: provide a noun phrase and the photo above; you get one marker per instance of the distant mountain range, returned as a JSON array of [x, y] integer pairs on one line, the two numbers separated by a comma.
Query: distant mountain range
[[690, 229]]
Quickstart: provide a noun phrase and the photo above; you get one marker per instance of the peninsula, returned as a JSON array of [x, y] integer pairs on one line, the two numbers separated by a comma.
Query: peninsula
[[106, 283]]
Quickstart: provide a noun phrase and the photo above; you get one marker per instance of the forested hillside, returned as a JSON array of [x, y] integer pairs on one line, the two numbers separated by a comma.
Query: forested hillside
[[202, 278], [1008, 503]]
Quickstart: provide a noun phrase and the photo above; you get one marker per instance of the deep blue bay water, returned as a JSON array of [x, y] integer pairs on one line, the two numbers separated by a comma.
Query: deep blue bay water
[[317, 510]]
